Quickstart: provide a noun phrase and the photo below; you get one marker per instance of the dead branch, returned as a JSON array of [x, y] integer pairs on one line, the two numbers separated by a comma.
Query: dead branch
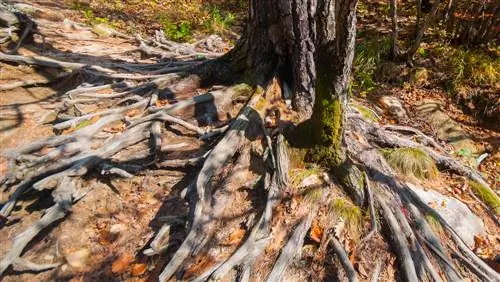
[[52, 214]]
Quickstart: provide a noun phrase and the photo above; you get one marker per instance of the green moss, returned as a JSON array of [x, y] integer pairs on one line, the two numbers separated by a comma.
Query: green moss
[[366, 112], [488, 196], [411, 162], [327, 128], [241, 90], [83, 124]]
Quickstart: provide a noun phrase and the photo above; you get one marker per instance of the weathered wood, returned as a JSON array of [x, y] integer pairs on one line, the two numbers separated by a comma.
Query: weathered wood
[[217, 158], [344, 259], [399, 241]]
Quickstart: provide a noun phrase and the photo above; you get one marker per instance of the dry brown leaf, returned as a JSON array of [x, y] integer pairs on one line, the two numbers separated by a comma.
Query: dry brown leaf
[[362, 271], [316, 232], [161, 103], [139, 269], [201, 264], [121, 264]]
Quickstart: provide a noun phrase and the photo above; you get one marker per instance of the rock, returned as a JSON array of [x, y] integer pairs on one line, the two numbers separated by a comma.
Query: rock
[[310, 181], [420, 76], [393, 107], [446, 128], [103, 30], [78, 259], [390, 72], [26, 8], [456, 213]]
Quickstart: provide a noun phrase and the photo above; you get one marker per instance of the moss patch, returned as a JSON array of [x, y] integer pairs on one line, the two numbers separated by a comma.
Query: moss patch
[[327, 130], [366, 112], [488, 196], [411, 162]]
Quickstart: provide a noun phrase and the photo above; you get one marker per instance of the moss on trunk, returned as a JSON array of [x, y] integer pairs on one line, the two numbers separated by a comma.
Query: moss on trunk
[[327, 129]]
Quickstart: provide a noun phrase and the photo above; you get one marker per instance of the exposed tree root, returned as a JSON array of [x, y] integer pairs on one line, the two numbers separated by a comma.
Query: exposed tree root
[[383, 174], [90, 141], [259, 236], [344, 260], [222, 152]]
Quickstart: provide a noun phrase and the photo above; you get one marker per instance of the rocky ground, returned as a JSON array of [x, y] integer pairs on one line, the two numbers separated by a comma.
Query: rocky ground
[[106, 233]]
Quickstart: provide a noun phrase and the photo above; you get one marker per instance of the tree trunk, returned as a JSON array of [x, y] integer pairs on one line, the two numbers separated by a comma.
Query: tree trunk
[[336, 20], [279, 39]]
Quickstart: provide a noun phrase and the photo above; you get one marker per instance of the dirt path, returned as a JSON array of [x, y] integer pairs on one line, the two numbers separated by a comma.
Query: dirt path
[[118, 218]]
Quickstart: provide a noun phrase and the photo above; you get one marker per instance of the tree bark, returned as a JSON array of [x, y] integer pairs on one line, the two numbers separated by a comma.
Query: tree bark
[[279, 38], [336, 25]]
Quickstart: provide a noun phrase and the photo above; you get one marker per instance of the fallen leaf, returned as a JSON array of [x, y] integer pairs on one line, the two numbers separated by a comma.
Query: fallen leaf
[[199, 267], [121, 264], [316, 232], [362, 270], [139, 269], [161, 103]]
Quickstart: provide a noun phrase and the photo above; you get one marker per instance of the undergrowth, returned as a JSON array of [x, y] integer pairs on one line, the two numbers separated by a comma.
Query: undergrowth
[[180, 20], [411, 162], [475, 67], [369, 55]]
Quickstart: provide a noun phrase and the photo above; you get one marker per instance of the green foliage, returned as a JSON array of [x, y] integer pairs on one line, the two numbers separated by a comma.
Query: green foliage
[[180, 31], [488, 196], [218, 22], [368, 56], [411, 162], [469, 66]]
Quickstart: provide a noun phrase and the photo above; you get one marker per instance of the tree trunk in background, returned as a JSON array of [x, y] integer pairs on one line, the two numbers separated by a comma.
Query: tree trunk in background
[[336, 21], [474, 23], [279, 39]]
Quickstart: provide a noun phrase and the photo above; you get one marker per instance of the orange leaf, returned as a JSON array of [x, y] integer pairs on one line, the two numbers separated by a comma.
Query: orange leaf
[[121, 264], [316, 232], [199, 267], [161, 103], [139, 269]]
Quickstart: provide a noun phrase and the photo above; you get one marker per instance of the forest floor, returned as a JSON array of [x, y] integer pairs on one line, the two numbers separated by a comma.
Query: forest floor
[[104, 236]]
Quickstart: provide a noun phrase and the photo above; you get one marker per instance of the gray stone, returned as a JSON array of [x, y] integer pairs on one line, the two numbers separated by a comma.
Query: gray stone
[[393, 107], [456, 213], [446, 128]]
